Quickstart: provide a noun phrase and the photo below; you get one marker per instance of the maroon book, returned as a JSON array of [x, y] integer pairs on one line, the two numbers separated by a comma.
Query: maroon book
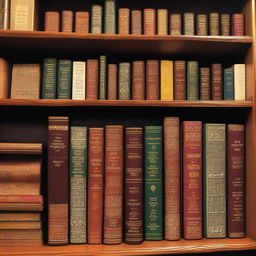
[[179, 80], [236, 181], [192, 179], [217, 84], [112, 81], [92, 79], [238, 24], [138, 80], [205, 91], [152, 80]]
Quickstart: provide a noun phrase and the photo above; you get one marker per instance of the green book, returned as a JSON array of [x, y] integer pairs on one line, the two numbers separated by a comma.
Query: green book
[[49, 78], [153, 199], [64, 79], [192, 80], [78, 173], [110, 17], [96, 20], [103, 77], [124, 85]]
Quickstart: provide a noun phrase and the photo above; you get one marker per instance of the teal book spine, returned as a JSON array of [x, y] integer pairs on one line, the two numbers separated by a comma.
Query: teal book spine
[[110, 17], [153, 199], [229, 83], [64, 79], [103, 77], [49, 80], [192, 80]]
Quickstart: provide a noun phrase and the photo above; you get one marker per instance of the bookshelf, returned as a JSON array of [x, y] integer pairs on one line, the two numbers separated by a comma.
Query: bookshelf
[[26, 120]]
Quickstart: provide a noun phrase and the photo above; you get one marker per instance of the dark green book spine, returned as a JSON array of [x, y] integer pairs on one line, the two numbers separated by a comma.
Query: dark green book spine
[[49, 78], [153, 200], [124, 81], [229, 83], [103, 77], [110, 17], [192, 80], [64, 79]]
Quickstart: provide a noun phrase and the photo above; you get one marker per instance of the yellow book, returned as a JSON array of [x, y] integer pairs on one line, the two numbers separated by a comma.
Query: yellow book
[[166, 80]]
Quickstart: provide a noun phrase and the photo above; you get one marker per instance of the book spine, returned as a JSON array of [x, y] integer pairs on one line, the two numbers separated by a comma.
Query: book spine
[[238, 27], [20, 216], [96, 24], [124, 21], [172, 178], [225, 24], [112, 81], [214, 24], [162, 22], [23, 225], [103, 78], [78, 173], [153, 199], [58, 145], [4, 14], [217, 86], [78, 82], [92, 79], [133, 185], [239, 81], [52, 22], [192, 179], [152, 80], [22, 199], [179, 80], [192, 80], [67, 21], [64, 79], [205, 89], [95, 185], [110, 17], [4, 79], [82, 22], [215, 180], [136, 25], [229, 83], [149, 21], [236, 181], [166, 80], [124, 81], [113, 200], [202, 25], [138, 80], [189, 24], [175, 24]]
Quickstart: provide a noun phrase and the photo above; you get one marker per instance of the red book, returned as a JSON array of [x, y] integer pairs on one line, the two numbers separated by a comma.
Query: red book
[[217, 85], [82, 22], [92, 80], [192, 179], [112, 81], [95, 185], [52, 22], [138, 80], [149, 21], [152, 80], [179, 80], [238, 24], [205, 90], [67, 21], [113, 199], [236, 181], [136, 22], [172, 178]]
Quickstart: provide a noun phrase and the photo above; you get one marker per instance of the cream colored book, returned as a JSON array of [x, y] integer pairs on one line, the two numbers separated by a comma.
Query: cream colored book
[[78, 83], [239, 81]]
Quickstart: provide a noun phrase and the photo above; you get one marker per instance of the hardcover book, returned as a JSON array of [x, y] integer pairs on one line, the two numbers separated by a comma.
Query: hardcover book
[[202, 25], [229, 83], [4, 14], [110, 17], [214, 24], [136, 22], [79, 80], [175, 24], [103, 78], [152, 80], [225, 24], [82, 22], [238, 26], [217, 84], [124, 85], [189, 24], [162, 22], [52, 22], [67, 21], [64, 82], [239, 82], [179, 80], [112, 82], [149, 21], [96, 19], [138, 80], [123, 21], [205, 86], [92, 79], [166, 80], [192, 80], [4, 79]]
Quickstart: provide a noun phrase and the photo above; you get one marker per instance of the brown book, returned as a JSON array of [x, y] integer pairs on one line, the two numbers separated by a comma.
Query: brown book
[[92, 79], [67, 21], [20, 216], [58, 180], [172, 178], [202, 25], [236, 180], [113, 199], [124, 21], [149, 22], [217, 85], [189, 24], [238, 27], [133, 185], [138, 80], [175, 24], [52, 22], [95, 185], [162, 22], [22, 235], [19, 242], [20, 225], [225, 24], [136, 22], [214, 24], [205, 89], [179, 80], [4, 79], [82, 22], [112, 81], [152, 80], [21, 148]]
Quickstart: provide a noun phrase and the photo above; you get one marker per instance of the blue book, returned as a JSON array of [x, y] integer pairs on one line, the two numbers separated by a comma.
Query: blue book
[[229, 83]]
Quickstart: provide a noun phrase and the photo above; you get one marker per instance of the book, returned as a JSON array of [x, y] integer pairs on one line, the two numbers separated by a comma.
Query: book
[[238, 26], [78, 80], [214, 180], [133, 185], [179, 80], [25, 81], [138, 80], [113, 197], [228, 83], [152, 80], [4, 14], [175, 24], [205, 83], [49, 83], [58, 180], [67, 21], [202, 25], [110, 17], [225, 24], [239, 82], [95, 185], [162, 22], [52, 22], [153, 183], [172, 181], [136, 22], [188, 24], [78, 181], [149, 22], [217, 84], [103, 78], [82, 22], [92, 79], [112, 81], [4, 79], [21, 235], [214, 24], [123, 21], [21, 225], [236, 180], [20, 216], [192, 80], [166, 80], [21, 148], [192, 179], [124, 81], [64, 81], [96, 19]]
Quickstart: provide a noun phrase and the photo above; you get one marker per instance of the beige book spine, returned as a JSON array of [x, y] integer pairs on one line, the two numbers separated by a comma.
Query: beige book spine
[[239, 81], [162, 22]]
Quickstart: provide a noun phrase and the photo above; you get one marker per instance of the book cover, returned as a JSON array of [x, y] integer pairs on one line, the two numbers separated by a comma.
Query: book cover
[[124, 81], [112, 82], [123, 21], [152, 80], [166, 80], [64, 82], [82, 22], [52, 22], [179, 80], [217, 84], [228, 83], [78, 80], [92, 79], [138, 80], [239, 82], [136, 22], [214, 24], [225, 24], [110, 17], [192, 80]]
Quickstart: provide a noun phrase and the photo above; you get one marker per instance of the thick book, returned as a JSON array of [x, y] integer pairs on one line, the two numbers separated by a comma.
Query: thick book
[[205, 83], [179, 80], [124, 81], [21, 225], [192, 179], [162, 22], [225, 24], [112, 82], [52, 22], [172, 174], [239, 82], [138, 80], [20, 216], [92, 79], [228, 86], [110, 17], [4, 79], [238, 26], [5, 14], [103, 77], [214, 24], [236, 180], [192, 80], [49, 83], [113, 197], [152, 80], [202, 25], [189, 24], [133, 185], [78, 181], [124, 21], [78, 80], [136, 22], [153, 179], [96, 19], [217, 83], [64, 81], [82, 22], [214, 180], [175, 24], [149, 22], [166, 80], [58, 180], [67, 21], [95, 185]]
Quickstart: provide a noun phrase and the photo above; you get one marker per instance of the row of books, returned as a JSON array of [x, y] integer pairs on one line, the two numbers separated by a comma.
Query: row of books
[[140, 80], [145, 183]]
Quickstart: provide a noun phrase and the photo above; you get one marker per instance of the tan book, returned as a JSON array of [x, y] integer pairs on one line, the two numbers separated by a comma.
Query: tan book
[[124, 21], [67, 21], [18, 234], [4, 79], [21, 148], [166, 80], [25, 81], [82, 22], [162, 22], [188, 25], [20, 243], [214, 24], [52, 22], [20, 216], [175, 24], [149, 21], [136, 22], [4, 14], [225, 24], [202, 25], [20, 225]]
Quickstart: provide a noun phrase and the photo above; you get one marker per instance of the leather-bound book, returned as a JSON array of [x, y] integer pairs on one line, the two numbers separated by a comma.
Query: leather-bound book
[[205, 83], [64, 82], [92, 79], [136, 22], [78, 80], [96, 19], [228, 84], [175, 24], [67, 21], [192, 80], [112, 81], [52, 22], [103, 77], [202, 25], [24, 225], [238, 26], [225, 24], [124, 81], [189, 24], [4, 79], [149, 21], [124, 21], [179, 80], [138, 80], [162, 22], [20, 216], [214, 24], [217, 84], [110, 17], [82, 22], [152, 80], [166, 80], [5, 14]]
